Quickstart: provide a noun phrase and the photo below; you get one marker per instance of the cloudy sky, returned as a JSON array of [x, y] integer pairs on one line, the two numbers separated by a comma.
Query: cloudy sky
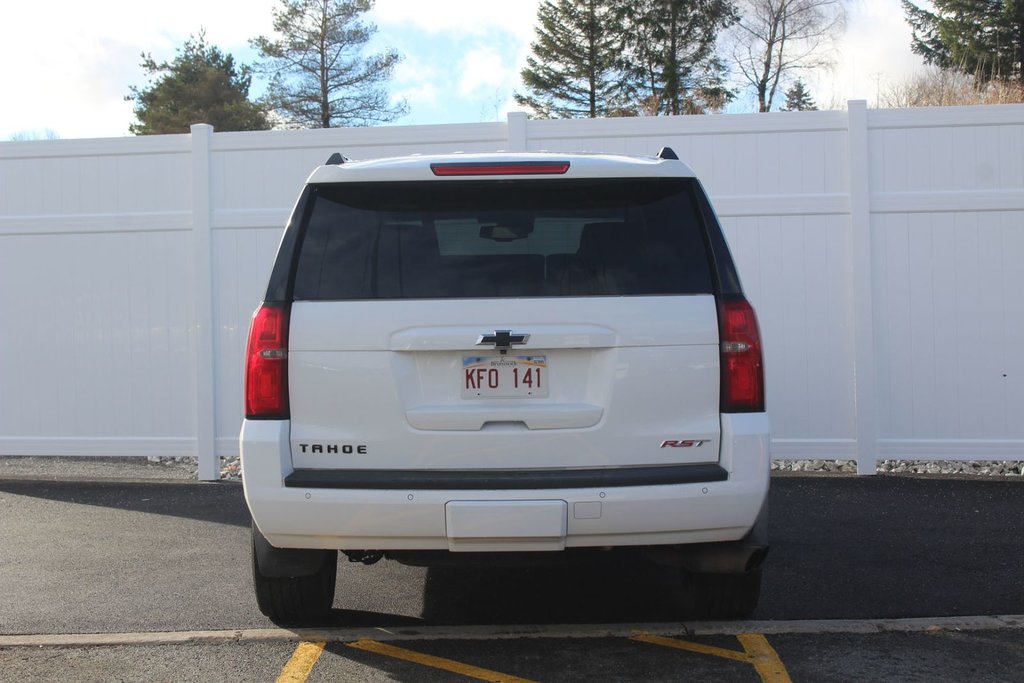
[[66, 65]]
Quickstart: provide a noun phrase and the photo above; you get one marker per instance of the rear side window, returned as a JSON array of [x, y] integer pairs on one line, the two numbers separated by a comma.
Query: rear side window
[[500, 238]]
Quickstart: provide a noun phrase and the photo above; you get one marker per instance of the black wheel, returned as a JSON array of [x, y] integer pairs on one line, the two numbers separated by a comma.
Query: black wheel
[[723, 596], [292, 585]]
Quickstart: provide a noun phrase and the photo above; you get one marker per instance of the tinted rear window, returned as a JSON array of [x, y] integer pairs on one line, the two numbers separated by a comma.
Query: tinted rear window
[[521, 238]]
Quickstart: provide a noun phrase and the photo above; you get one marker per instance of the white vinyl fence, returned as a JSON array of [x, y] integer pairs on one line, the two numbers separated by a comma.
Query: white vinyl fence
[[883, 250]]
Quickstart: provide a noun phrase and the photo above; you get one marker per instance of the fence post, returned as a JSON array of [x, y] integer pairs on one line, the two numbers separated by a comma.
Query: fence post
[[517, 131], [202, 278], [862, 281]]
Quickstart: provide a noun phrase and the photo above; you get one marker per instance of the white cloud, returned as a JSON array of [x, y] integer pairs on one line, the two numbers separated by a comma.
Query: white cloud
[[460, 16], [484, 69], [71, 67], [873, 54], [416, 82], [417, 96], [411, 69]]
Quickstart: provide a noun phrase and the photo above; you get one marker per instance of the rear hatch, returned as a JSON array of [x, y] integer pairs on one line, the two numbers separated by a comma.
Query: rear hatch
[[503, 324]]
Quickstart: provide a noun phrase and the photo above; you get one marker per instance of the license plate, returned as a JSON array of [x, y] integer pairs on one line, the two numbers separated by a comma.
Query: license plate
[[504, 376]]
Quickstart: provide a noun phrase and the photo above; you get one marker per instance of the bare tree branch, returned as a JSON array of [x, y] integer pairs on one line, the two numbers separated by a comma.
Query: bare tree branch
[[775, 37]]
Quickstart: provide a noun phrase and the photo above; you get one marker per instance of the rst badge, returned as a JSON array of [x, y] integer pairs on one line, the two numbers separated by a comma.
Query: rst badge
[[683, 443]]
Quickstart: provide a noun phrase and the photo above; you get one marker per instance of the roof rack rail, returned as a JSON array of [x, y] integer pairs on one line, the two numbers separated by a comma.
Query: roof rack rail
[[336, 159], [667, 153]]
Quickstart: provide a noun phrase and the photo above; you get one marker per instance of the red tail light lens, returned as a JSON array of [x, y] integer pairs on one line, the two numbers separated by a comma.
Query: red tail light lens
[[501, 168], [266, 365], [742, 370]]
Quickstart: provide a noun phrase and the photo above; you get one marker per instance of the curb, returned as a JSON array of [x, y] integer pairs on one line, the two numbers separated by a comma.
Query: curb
[[405, 633]]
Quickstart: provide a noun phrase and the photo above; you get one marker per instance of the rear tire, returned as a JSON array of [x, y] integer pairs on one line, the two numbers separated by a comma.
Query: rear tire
[[291, 599], [723, 596]]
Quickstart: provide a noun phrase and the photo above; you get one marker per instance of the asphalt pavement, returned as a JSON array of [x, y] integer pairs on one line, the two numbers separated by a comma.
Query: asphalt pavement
[[85, 556]]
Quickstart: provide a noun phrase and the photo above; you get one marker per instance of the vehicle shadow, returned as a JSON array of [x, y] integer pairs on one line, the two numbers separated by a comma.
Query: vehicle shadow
[[614, 587], [220, 502]]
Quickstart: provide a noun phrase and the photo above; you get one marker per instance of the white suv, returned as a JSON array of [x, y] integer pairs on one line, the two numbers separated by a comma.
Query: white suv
[[471, 356]]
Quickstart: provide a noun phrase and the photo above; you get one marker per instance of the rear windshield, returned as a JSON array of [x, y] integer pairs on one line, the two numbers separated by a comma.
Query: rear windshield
[[521, 238]]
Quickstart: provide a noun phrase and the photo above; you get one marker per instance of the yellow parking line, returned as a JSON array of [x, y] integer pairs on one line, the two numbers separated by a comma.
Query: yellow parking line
[[766, 659], [436, 662], [298, 667], [757, 652], [694, 647]]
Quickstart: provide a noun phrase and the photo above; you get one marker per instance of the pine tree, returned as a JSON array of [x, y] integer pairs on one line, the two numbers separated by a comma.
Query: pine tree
[[572, 71], [798, 98], [319, 76], [982, 38], [201, 85], [669, 50]]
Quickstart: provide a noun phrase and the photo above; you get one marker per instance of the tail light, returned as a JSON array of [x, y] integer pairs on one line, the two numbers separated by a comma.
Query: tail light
[[742, 370], [501, 168], [266, 365]]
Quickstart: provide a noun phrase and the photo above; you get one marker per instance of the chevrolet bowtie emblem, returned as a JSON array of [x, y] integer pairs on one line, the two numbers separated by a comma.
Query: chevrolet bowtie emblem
[[503, 339]]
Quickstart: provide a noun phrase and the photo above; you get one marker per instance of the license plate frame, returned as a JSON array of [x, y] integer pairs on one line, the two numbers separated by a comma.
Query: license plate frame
[[505, 376]]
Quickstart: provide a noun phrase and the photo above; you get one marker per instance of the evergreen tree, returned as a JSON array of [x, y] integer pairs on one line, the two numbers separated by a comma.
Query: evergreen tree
[[319, 76], [201, 85], [983, 38], [798, 98], [572, 71], [669, 49]]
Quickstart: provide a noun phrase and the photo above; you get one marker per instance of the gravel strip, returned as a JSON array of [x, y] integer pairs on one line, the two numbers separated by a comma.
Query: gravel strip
[[982, 468], [97, 468]]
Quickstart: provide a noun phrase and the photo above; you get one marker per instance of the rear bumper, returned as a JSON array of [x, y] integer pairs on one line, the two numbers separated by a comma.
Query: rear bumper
[[496, 479], [410, 518]]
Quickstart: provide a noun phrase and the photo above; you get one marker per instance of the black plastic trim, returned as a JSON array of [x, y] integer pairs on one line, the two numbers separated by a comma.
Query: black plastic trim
[[724, 268], [466, 480], [282, 275]]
